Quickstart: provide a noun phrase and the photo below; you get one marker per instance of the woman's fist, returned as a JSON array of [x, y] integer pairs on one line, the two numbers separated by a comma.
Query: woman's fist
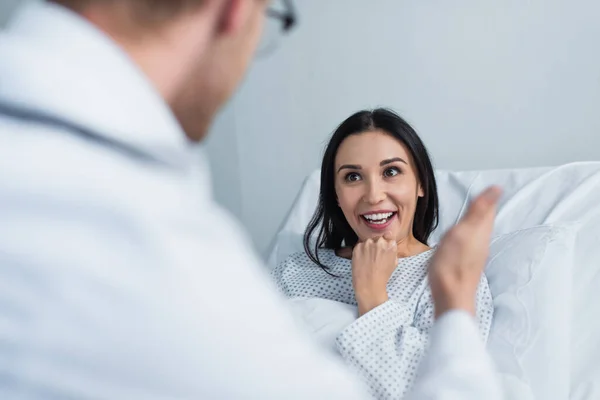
[[373, 263]]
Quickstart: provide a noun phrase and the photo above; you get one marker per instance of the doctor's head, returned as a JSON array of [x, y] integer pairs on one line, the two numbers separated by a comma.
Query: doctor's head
[[195, 52], [376, 177]]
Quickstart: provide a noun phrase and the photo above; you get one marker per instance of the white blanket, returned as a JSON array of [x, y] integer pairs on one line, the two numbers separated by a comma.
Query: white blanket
[[324, 319]]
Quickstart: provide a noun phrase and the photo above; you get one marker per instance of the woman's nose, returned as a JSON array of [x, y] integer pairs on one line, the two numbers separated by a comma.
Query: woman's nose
[[374, 193]]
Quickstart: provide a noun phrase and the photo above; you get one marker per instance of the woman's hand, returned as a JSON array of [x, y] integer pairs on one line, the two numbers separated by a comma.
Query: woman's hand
[[373, 263]]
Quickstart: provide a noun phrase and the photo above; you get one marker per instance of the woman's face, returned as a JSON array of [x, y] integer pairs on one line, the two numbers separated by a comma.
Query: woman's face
[[376, 185]]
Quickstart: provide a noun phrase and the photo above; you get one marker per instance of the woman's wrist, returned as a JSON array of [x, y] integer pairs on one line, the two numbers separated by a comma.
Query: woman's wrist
[[367, 303], [446, 304]]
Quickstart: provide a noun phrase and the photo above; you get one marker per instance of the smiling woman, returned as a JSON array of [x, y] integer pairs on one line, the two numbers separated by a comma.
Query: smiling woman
[[378, 189], [374, 163], [377, 207]]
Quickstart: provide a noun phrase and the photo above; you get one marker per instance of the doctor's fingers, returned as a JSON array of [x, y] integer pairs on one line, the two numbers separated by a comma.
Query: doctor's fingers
[[482, 210]]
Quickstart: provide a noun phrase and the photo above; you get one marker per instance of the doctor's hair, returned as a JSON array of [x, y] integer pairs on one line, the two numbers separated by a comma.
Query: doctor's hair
[[334, 231], [144, 12]]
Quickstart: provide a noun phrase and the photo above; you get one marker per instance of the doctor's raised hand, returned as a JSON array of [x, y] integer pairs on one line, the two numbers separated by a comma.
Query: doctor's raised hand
[[458, 263], [373, 262]]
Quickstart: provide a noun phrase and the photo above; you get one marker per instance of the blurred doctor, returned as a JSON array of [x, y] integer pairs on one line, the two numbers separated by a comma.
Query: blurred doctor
[[120, 278]]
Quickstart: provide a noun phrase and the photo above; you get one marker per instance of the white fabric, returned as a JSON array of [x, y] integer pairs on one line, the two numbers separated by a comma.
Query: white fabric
[[550, 196], [530, 278], [538, 196], [119, 277], [386, 344], [322, 319], [456, 372], [454, 369]]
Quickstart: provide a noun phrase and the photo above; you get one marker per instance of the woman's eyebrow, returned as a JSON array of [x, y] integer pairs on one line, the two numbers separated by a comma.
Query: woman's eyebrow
[[391, 160], [349, 166]]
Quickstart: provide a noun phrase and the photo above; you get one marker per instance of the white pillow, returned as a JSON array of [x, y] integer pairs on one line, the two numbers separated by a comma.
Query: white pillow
[[529, 273]]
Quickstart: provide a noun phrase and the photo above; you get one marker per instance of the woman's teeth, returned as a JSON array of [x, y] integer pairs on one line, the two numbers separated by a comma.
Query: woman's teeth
[[378, 219]]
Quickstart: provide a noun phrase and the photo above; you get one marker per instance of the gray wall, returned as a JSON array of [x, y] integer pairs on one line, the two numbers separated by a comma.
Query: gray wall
[[222, 148], [488, 84], [6, 8]]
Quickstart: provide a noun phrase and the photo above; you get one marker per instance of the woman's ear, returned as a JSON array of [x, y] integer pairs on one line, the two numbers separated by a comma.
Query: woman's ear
[[420, 192]]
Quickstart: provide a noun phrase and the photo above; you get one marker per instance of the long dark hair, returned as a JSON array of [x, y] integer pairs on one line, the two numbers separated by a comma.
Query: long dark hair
[[334, 230]]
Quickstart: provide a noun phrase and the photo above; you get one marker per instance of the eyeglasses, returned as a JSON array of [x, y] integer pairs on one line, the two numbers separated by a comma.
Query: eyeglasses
[[288, 17], [282, 18]]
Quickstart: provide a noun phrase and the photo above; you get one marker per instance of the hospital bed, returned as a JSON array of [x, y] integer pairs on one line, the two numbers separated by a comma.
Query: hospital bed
[[543, 271]]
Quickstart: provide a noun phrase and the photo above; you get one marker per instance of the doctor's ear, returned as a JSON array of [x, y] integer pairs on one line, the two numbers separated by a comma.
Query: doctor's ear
[[420, 191], [232, 14]]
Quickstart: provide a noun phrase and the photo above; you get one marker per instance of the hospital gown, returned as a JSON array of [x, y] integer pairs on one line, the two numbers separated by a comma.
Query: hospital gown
[[386, 345]]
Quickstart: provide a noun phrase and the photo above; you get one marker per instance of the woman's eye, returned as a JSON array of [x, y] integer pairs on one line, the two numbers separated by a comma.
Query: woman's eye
[[390, 172], [352, 177]]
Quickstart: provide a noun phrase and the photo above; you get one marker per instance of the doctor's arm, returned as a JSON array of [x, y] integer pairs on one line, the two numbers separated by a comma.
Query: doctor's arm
[[457, 365]]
